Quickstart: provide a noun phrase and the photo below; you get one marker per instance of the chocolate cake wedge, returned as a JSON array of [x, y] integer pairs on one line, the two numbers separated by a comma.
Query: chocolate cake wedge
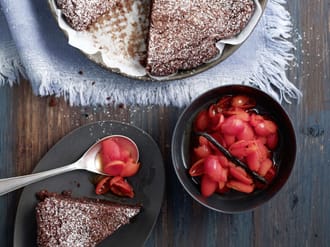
[[65, 221], [183, 34], [80, 14]]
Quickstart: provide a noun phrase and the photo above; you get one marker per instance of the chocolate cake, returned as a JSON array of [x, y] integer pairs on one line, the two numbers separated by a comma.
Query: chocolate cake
[[80, 14], [183, 34], [65, 221]]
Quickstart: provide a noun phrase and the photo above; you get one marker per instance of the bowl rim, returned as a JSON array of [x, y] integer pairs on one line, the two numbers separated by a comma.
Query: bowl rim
[[178, 158]]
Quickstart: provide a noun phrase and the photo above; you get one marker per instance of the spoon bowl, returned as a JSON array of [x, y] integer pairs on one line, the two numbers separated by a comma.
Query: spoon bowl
[[89, 161]]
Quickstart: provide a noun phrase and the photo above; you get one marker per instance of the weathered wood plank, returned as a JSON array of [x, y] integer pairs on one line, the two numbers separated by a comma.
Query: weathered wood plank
[[7, 168], [298, 216]]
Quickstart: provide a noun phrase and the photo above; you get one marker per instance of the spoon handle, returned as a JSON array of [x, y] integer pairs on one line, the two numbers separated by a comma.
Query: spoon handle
[[10, 184]]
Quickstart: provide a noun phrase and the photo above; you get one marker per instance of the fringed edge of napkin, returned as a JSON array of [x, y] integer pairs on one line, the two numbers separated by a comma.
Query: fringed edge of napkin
[[270, 75], [11, 66], [274, 60]]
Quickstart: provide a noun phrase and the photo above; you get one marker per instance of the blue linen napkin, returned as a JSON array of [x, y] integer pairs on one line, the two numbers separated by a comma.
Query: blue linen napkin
[[55, 68], [10, 65]]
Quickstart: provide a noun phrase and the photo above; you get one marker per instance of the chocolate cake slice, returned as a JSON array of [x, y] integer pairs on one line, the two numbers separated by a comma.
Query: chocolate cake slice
[[80, 14], [183, 34], [64, 221]]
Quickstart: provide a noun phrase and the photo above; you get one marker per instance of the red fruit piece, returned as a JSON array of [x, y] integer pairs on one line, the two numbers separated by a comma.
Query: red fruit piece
[[109, 151], [270, 175], [130, 169], [265, 128], [253, 161], [214, 110], [127, 148], [102, 186], [271, 126], [256, 153], [224, 103], [224, 175], [114, 168], [247, 134], [239, 174], [262, 150], [232, 126], [202, 140], [125, 155], [221, 186], [202, 151], [243, 101], [219, 138], [213, 168], [222, 190], [239, 149], [223, 161], [239, 113], [239, 186], [197, 169], [272, 141], [262, 139], [208, 186], [120, 187], [202, 121], [255, 119], [217, 121], [229, 140], [264, 167]]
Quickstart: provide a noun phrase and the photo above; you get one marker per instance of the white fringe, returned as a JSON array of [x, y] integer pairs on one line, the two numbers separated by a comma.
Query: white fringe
[[11, 67], [274, 61], [270, 75]]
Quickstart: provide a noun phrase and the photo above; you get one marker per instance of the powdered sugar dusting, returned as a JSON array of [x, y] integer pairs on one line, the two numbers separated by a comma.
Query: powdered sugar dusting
[[65, 221], [183, 35], [82, 13]]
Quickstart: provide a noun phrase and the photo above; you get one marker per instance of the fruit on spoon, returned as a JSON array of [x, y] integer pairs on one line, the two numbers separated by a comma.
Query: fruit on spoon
[[89, 161]]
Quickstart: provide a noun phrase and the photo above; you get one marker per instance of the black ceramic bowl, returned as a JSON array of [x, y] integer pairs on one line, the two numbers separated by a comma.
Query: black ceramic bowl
[[233, 202]]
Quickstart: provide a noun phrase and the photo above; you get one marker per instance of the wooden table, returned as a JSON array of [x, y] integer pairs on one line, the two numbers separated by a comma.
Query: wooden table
[[298, 216]]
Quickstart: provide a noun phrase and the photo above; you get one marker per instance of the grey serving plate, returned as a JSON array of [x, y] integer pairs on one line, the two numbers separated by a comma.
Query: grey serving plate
[[148, 183]]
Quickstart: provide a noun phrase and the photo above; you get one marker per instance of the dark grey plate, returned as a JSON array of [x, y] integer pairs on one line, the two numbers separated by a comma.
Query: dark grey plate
[[148, 183]]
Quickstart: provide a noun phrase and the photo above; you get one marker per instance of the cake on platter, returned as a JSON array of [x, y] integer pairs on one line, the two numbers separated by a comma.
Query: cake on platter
[[157, 38]]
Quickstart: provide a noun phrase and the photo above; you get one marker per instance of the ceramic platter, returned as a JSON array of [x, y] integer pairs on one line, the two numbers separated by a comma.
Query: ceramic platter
[[148, 183], [122, 50]]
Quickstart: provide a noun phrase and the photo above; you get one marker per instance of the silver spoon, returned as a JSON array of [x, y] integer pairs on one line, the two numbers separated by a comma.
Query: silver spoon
[[89, 161]]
